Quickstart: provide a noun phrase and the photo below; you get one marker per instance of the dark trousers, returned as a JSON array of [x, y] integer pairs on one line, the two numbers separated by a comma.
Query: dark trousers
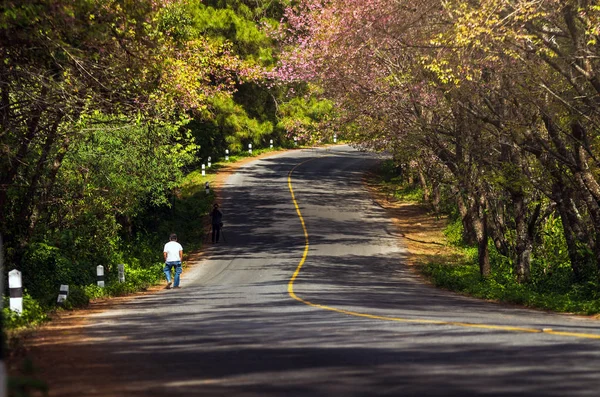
[[216, 231]]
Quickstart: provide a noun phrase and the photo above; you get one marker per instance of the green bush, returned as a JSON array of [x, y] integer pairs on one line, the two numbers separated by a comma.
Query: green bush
[[44, 269], [557, 291], [94, 292], [77, 298], [410, 193], [454, 232], [136, 279]]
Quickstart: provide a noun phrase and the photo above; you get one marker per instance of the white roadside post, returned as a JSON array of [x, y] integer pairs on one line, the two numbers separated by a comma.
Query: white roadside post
[[15, 287], [3, 372], [226, 154], [209, 161], [207, 187], [121, 268], [100, 275], [63, 293], [250, 148], [334, 138], [271, 144], [295, 141], [203, 170]]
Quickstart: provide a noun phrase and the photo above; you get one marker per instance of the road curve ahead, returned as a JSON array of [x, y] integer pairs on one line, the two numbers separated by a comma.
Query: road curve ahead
[[307, 296]]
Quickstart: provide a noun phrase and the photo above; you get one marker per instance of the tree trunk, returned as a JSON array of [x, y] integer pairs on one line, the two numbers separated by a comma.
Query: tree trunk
[[524, 245], [589, 188], [32, 129], [436, 198], [573, 231], [469, 235], [40, 169], [44, 202], [423, 183], [479, 217], [498, 228]]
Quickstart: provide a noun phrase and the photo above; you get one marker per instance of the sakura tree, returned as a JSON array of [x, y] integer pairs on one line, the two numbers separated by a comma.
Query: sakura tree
[[502, 93]]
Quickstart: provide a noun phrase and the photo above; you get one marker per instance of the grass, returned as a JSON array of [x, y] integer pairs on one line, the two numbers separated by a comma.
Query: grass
[[577, 298]]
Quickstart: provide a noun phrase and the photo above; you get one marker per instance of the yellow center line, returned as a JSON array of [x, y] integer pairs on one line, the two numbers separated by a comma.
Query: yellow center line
[[400, 319]]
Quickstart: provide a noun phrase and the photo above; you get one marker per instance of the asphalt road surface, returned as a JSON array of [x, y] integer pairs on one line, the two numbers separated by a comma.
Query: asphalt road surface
[[308, 297]]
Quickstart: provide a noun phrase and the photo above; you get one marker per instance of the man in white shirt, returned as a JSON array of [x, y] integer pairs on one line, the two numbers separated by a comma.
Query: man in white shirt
[[173, 253]]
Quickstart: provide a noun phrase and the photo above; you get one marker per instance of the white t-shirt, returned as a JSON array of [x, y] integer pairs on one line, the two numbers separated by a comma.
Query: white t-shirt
[[172, 249]]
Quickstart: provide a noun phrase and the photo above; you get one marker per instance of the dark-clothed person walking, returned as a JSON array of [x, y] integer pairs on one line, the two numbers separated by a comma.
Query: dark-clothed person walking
[[217, 222]]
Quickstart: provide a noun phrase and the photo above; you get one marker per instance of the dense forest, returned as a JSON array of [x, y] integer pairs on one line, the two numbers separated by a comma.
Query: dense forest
[[491, 107]]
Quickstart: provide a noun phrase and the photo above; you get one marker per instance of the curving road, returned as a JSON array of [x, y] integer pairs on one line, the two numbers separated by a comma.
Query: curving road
[[353, 322]]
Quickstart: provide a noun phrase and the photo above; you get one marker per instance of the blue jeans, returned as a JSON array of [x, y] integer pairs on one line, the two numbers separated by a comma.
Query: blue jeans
[[178, 271]]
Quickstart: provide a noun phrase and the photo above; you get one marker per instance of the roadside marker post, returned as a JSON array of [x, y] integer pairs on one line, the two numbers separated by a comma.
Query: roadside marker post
[[63, 293], [121, 268], [100, 275], [15, 286], [226, 154], [209, 163], [295, 141], [3, 372], [250, 148], [334, 138], [271, 144], [207, 187], [203, 170]]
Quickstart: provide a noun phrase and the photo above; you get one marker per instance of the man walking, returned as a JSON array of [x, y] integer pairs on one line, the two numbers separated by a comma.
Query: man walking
[[173, 253], [216, 222]]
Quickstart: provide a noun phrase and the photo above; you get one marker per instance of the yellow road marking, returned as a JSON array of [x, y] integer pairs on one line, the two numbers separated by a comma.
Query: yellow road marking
[[400, 319]]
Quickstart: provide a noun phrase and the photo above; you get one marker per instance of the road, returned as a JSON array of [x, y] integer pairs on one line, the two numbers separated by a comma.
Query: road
[[308, 297]]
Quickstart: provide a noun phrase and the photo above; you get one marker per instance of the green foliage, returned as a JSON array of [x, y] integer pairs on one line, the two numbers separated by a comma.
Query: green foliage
[[552, 251], [409, 193], [396, 185], [552, 284], [236, 26], [76, 298], [231, 128], [306, 117], [105, 180], [571, 297], [123, 162], [388, 171], [94, 292], [454, 232], [253, 9], [43, 269], [186, 217], [257, 112], [143, 277], [136, 279]]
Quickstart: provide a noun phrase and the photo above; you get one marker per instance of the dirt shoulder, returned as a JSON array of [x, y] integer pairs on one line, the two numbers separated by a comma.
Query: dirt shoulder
[[420, 231]]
